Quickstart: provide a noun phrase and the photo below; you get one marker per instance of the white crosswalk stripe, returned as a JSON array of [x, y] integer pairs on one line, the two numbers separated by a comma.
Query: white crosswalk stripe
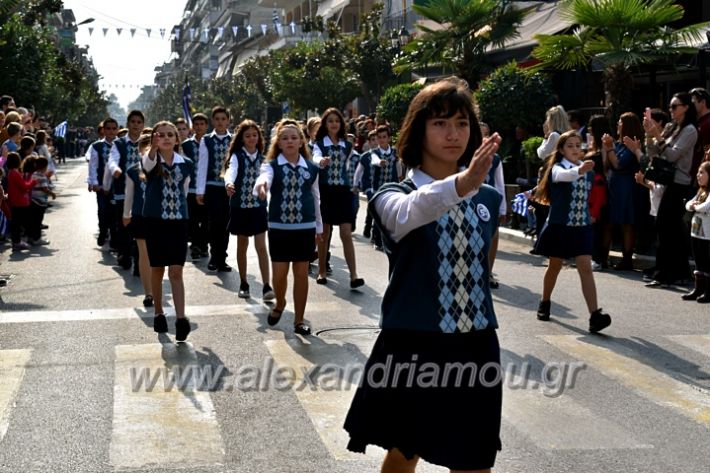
[[12, 369]]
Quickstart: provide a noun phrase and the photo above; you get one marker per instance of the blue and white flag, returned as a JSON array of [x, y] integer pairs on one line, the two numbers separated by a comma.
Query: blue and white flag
[[520, 204], [60, 130], [186, 97]]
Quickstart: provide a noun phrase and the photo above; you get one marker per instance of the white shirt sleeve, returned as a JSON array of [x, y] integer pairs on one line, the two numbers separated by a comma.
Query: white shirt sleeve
[[113, 159], [186, 185], [315, 190], [266, 175], [357, 177], [500, 187], [202, 164], [560, 174], [401, 213], [149, 164], [317, 156], [400, 171], [231, 175], [548, 145], [107, 179], [93, 179], [128, 202]]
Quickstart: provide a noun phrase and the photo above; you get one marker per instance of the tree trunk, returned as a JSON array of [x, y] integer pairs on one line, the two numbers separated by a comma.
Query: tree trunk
[[618, 90]]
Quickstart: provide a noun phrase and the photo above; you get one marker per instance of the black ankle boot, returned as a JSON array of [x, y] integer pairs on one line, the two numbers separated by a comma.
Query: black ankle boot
[[598, 320], [543, 311], [704, 285], [697, 290]]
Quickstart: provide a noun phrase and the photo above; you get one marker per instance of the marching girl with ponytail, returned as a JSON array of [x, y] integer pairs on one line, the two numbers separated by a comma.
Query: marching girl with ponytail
[[247, 216], [294, 216], [331, 152], [167, 176], [565, 186]]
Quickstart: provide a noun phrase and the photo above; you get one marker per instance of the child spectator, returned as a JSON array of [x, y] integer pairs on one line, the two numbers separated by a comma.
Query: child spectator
[[39, 202], [18, 190]]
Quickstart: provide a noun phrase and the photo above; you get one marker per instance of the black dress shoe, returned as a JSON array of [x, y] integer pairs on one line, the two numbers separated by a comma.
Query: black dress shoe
[[244, 290], [160, 323], [182, 329], [224, 268], [355, 283], [302, 329], [212, 266]]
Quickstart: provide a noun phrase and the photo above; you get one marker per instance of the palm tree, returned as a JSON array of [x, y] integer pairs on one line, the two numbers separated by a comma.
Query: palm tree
[[617, 35], [467, 28]]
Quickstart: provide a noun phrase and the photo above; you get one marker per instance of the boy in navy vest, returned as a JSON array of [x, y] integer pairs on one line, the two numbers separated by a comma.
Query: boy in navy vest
[[124, 154], [210, 188], [197, 229], [385, 167], [98, 159]]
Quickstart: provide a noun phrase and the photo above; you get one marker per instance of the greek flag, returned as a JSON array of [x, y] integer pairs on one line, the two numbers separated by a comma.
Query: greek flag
[[60, 130], [276, 18], [186, 97], [520, 204]]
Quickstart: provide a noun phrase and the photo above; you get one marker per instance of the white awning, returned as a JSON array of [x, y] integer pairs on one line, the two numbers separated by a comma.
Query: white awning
[[329, 8], [543, 19]]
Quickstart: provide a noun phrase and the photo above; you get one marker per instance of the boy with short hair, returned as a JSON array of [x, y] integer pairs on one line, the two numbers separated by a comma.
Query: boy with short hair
[[363, 178], [211, 190], [11, 145], [197, 223], [98, 156], [385, 167]]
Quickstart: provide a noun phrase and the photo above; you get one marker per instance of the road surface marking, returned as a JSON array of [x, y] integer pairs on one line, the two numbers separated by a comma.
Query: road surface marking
[[618, 362], [12, 369], [161, 426], [699, 343]]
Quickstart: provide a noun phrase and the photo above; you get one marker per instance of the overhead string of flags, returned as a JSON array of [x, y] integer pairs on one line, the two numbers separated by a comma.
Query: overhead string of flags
[[206, 34]]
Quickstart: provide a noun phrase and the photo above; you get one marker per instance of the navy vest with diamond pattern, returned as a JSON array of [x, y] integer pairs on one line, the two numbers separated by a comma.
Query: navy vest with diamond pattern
[[128, 156], [335, 174], [164, 194], [380, 175], [292, 204], [191, 149], [438, 273], [366, 179], [139, 186], [247, 173], [569, 201], [491, 176], [103, 151], [217, 149]]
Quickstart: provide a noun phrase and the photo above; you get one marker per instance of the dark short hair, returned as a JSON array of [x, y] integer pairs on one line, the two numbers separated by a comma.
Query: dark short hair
[[383, 129], [200, 116], [6, 100], [219, 109], [13, 160], [443, 99], [134, 113], [701, 94], [180, 120], [111, 120]]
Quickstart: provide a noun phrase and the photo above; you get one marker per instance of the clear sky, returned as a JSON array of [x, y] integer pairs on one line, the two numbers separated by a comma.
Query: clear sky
[[124, 60]]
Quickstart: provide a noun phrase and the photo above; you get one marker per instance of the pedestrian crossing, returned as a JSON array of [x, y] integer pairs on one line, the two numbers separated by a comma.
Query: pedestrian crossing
[[179, 426]]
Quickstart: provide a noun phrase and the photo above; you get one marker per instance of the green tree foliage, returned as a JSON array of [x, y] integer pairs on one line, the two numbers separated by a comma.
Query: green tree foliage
[[460, 45], [509, 97], [37, 74], [395, 102], [619, 35]]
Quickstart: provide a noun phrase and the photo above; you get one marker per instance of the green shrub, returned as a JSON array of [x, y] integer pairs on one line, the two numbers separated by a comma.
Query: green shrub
[[395, 102], [530, 147]]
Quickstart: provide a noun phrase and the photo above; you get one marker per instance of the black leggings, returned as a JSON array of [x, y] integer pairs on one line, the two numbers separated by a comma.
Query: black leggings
[[701, 253], [672, 255]]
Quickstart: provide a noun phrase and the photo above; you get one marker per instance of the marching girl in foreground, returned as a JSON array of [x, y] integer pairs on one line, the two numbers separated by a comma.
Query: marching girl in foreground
[[437, 310], [565, 186], [294, 216], [167, 177]]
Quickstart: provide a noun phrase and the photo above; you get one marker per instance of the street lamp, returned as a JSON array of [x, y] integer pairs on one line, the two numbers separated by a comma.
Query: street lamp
[[394, 39], [404, 36]]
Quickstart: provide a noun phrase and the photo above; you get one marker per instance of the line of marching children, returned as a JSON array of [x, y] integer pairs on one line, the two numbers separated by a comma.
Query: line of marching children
[[156, 193]]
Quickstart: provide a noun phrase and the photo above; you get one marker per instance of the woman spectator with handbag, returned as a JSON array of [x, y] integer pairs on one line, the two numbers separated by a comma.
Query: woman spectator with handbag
[[673, 249]]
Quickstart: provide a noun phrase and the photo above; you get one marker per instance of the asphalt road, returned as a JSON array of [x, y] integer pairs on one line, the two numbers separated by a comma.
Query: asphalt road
[[75, 340]]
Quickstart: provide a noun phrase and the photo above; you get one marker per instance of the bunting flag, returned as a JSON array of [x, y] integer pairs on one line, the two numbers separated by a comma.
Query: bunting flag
[[235, 30], [133, 32], [249, 30], [293, 27], [177, 34], [148, 30], [276, 20], [105, 30], [206, 34], [91, 30], [220, 32], [162, 32], [264, 28], [118, 31], [192, 34]]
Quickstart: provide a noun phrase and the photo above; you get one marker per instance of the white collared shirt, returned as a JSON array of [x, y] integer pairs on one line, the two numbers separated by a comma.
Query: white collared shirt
[[93, 178], [401, 213], [266, 175], [567, 172], [203, 163], [318, 153], [231, 174]]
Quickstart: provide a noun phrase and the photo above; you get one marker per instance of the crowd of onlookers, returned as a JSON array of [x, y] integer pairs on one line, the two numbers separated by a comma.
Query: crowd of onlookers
[[646, 170], [29, 154]]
